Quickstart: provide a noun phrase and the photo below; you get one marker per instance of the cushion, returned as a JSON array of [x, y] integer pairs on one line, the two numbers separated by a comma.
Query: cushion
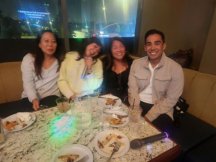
[[209, 115], [183, 57], [199, 92], [10, 81]]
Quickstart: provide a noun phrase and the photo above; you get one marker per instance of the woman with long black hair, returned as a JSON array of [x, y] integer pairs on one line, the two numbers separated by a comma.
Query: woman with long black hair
[[117, 65], [81, 71], [40, 70]]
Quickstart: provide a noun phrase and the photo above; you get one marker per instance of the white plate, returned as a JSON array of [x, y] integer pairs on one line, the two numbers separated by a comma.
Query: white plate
[[103, 101], [74, 149], [107, 150], [22, 119], [116, 118]]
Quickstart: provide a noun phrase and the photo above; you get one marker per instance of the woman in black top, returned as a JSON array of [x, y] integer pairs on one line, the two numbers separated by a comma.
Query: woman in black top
[[116, 66]]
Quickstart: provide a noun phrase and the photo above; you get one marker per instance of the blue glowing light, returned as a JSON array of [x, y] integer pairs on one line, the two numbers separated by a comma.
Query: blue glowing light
[[24, 14], [149, 147], [167, 136], [62, 129]]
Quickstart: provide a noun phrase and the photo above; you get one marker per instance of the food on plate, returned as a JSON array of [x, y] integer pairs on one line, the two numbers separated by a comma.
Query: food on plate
[[108, 140], [24, 125], [68, 157], [100, 145], [10, 125], [115, 121], [110, 101], [24, 117], [18, 121]]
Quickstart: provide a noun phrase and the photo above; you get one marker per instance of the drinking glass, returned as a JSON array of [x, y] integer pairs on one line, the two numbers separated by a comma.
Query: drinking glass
[[83, 112], [134, 114], [135, 117], [63, 104]]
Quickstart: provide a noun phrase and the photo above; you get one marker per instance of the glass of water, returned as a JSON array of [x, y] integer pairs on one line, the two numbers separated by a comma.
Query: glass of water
[[135, 120], [83, 112]]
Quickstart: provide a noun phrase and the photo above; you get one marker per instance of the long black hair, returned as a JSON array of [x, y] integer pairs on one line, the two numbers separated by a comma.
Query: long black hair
[[39, 55], [109, 59], [85, 43]]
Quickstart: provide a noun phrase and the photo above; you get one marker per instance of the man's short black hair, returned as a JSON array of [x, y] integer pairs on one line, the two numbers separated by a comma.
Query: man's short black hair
[[154, 31]]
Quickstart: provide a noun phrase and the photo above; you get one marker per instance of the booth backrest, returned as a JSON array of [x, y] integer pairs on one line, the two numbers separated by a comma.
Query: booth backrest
[[10, 81], [200, 93], [199, 90]]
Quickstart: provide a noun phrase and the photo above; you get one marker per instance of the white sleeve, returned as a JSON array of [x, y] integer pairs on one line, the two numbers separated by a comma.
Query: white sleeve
[[28, 73]]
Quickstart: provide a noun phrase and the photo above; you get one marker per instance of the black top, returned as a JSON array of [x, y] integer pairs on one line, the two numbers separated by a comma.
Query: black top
[[116, 84]]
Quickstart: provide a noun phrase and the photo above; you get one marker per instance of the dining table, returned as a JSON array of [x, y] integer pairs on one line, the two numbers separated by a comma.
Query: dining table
[[52, 130]]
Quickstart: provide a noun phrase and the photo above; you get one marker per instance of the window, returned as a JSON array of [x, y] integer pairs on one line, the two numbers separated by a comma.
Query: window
[[24, 18], [21, 20], [103, 18]]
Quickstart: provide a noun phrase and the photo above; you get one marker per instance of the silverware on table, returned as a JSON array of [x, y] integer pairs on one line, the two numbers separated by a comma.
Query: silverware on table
[[116, 147]]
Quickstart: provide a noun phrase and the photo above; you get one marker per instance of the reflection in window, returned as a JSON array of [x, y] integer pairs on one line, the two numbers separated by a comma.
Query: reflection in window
[[25, 18], [103, 18]]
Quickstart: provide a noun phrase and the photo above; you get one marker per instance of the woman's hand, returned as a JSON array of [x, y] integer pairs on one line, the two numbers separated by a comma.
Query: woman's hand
[[72, 97], [36, 104], [91, 51], [89, 62]]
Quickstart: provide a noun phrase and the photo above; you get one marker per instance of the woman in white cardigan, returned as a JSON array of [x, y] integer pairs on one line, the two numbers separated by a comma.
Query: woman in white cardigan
[[81, 72]]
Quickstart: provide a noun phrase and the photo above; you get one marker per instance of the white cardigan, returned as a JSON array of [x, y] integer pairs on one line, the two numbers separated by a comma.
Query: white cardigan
[[70, 80]]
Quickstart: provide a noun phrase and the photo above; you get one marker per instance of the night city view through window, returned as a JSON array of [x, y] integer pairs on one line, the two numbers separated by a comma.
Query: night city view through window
[[25, 18], [103, 18]]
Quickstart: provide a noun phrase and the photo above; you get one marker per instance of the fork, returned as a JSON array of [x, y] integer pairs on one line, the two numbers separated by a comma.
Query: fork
[[116, 147]]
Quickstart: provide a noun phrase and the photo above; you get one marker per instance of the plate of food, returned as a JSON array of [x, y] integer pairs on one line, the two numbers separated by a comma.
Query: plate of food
[[18, 121], [110, 101], [74, 153], [104, 143], [115, 118]]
